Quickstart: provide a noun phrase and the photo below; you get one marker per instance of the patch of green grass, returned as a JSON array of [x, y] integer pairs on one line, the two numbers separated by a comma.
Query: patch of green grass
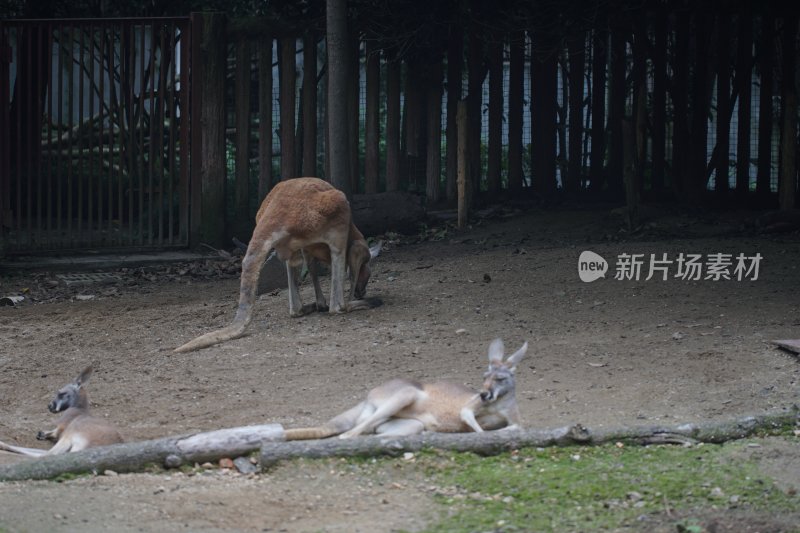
[[595, 488]]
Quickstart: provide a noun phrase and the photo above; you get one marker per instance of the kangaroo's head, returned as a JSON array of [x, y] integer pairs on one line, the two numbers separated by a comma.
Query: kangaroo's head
[[499, 379], [72, 394], [359, 258]]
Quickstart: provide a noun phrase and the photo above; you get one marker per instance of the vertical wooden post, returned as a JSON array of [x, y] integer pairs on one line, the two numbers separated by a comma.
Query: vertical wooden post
[[393, 125], [242, 218], [339, 59], [209, 155], [495, 149], [309, 166], [577, 58], [288, 83], [766, 63], [463, 179], [659, 101], [516, 84], [744, 73], [616, 110], [353, 108], [264, 116], [698, 174], [544, 104], [598, 134], [723, 102], [372, 127], [433, 167], [787, 187], [455, 54], [629, 172]]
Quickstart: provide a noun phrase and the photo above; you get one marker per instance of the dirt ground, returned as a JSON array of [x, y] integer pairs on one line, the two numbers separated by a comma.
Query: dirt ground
[[606, 353]]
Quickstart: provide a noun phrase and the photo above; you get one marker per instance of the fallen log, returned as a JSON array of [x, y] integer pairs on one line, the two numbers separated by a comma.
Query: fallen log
[[494, 442], [170, 452]]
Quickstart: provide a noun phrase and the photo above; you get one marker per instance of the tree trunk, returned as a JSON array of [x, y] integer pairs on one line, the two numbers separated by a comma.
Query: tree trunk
[[495, 442], [659, 103], [310, 111], [744, 73], [616, 111], [516, 87], [680, 102], [392, 125], [433, 168], [338, 71], [477, 70], [353, 106], [455, 54], [413, 116], [723, 102], [495, 153], [288, 83], [697, 177], [372, 133], [544, 104], [577, 59], [464, 186], [242, 224], [766, 53], [599, 59], [787, 187], [170, 452], [264, 116], [640, 45]]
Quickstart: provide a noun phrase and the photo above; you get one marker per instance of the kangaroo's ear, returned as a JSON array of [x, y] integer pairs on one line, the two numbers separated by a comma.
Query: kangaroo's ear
[[496, 350], [374, 251], [84, 376], [515, 357]]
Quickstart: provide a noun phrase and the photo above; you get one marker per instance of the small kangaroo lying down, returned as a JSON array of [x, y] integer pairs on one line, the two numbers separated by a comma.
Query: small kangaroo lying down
[[403, 407], [76, 429], [302, 219]]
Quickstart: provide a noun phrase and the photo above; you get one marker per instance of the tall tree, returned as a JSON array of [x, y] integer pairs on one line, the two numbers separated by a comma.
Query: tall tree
[[516, 85], [598, 134], [680, 103], [701, 97], [616, 109], [544, 105], [495, 153], [372, 133], [576, 45], [455, 53], [288, 95], [433, 167], [309, 104], [393, 124], [744, 76], [338, 48], [659, 100], [766, 51], [787, 187], [723, 102]]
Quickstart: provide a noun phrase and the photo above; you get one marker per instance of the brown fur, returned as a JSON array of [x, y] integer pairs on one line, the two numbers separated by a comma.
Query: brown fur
[[76, 429], [403, 407], [301, 219]]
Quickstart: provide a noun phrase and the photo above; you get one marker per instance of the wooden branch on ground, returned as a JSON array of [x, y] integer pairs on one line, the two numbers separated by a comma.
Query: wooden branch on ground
[[494, 442], [170, 452]]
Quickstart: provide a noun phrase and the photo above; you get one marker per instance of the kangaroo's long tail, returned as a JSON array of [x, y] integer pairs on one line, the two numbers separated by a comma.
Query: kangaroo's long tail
[[253, 260]]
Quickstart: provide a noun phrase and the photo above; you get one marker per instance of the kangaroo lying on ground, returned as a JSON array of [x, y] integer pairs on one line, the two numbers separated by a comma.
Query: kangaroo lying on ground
[[76, 429], [403, 407], [302, 219]]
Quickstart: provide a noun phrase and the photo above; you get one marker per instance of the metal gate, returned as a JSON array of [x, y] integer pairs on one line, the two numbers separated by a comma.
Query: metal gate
[[94, 134]]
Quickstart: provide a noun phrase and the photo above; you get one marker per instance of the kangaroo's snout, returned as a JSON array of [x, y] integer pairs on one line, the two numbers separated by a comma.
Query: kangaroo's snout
[[487, 395], [52, 407]]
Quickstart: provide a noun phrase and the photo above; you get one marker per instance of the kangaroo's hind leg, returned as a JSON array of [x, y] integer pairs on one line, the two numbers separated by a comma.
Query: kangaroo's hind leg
[[385, 408], [400, 427]]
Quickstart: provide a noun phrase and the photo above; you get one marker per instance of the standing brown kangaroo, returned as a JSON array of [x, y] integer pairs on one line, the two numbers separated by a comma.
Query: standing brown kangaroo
[[76, 429], [301, 219], [403, 407]]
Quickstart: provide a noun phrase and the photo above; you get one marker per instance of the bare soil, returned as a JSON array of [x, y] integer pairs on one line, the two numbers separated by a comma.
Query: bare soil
[[606, 353]]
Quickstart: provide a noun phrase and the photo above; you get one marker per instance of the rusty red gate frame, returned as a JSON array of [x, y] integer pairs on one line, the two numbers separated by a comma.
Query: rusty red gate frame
[[94, 134]]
